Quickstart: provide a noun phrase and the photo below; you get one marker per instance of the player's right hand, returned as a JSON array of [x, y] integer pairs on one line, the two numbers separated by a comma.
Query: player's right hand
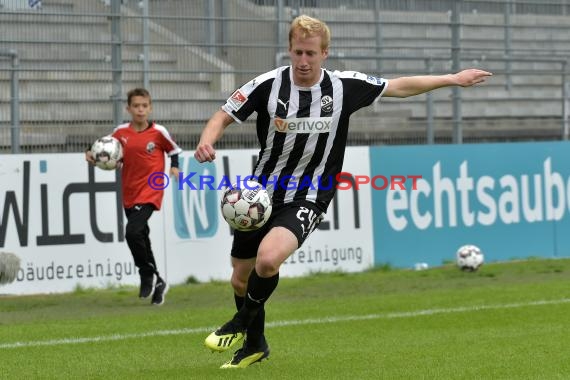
[[89, 158], [205, 153]]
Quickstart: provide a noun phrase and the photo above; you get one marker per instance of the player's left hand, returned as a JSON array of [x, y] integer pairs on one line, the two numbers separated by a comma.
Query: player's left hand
[[174, 172], [470, 77]]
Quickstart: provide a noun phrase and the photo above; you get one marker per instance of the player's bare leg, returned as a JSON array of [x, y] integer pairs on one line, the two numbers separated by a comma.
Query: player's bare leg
[[277, 245]]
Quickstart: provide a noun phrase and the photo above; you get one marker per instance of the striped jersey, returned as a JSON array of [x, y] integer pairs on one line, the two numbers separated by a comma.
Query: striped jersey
[[143, 155], [302, 130]]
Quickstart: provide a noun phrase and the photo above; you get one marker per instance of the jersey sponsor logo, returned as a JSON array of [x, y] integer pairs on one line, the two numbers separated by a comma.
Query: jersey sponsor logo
[[326, 104], [237, 100], [280, 124], [374, 80], [303, 125]]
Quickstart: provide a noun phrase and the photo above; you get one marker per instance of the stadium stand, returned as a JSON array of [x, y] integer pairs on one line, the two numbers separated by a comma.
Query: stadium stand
[[65, 68]]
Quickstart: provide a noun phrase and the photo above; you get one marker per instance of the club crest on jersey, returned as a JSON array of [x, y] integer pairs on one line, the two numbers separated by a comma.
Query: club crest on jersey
[[237, 100], [150, 147], [326, 104]]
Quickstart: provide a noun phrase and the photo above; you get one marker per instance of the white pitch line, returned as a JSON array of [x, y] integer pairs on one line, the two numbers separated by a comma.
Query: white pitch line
[[298, 322]]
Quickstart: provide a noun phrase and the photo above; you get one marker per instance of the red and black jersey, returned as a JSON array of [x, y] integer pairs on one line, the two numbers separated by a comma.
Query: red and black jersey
[[143, 154]]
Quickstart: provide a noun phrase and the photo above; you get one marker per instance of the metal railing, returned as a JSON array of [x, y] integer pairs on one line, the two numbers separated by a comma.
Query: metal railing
[[77, 59], [14, 99]]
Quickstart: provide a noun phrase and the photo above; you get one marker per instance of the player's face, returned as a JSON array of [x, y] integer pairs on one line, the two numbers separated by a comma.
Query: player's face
[[307, 57], [139, 109]]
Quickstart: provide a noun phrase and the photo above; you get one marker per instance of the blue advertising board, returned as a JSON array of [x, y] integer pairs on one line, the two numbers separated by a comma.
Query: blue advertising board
[[510, 199]]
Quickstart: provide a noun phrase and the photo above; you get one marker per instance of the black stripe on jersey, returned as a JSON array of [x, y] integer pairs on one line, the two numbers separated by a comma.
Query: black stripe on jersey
[[335, 158], [263, 118], [279, 137], [305, 100], [284, 94], [326, 89]]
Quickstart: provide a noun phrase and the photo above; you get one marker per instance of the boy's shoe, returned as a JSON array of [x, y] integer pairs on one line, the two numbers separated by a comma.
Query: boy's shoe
[[146, 287], [225, 337], [160, 290], [247, 355]]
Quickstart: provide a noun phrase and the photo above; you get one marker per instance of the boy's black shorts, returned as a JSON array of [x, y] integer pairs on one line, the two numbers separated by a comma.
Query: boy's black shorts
[[301, 218]]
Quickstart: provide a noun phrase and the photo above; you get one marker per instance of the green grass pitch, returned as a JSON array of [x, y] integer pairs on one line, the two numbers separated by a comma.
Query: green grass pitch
[[506, 321]]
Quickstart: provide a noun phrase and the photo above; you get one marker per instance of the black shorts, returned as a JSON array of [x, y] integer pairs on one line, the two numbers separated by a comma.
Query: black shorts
[[301, 218]]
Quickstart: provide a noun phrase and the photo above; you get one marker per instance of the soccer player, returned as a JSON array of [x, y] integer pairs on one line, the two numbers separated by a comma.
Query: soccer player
[[144, 145], [302, 122]]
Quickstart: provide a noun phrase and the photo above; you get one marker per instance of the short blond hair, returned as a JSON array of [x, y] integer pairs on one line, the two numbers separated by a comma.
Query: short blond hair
[[307, 26]]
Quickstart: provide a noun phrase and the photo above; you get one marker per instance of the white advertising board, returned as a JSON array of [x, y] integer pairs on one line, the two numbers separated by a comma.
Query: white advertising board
[[65, 221]]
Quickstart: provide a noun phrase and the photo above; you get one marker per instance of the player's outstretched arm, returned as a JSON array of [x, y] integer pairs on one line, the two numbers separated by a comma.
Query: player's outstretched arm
[[409, 86], [213, 131]]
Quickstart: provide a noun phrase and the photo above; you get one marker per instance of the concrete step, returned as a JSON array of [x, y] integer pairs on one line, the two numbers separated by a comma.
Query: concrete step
[[90, 64], [474, 108], [45, 18], [432, 29], [102, 90], [97, 109], [477, 41], [47, 6], [65, 51], [88, 91], [85, 75]]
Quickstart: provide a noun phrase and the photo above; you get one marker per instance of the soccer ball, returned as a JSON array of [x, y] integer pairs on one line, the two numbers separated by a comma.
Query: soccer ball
[[469, 258], [246, 208], [9, 267], [107, 152]]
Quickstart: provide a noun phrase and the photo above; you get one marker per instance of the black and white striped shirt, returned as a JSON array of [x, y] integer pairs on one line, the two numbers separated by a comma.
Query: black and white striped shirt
[[302, 130]]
